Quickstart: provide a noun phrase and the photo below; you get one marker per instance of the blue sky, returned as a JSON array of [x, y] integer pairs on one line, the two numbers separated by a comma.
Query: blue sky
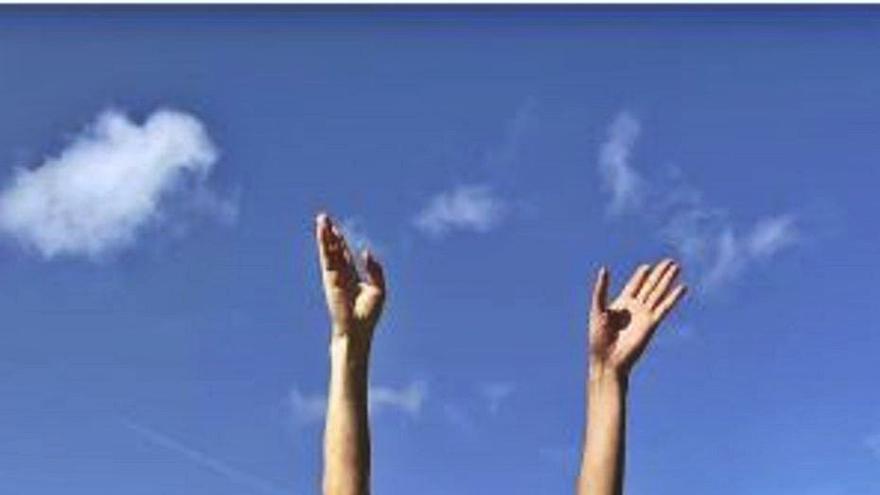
[[173, 340]]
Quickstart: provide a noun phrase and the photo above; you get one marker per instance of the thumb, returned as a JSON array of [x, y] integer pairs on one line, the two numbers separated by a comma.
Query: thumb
[[600, 292]]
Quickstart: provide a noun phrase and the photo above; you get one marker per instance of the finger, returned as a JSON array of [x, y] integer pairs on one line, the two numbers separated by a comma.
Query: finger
[[656, 274], [669, 302], [322, 238], [644, 335], [636, 281], [657, 293], [374, 271], [600, 292], [347, 267], [329, 245], [343, 245]]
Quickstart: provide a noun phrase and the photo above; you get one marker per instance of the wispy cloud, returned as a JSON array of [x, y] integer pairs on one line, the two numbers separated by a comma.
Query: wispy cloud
[[109, 183], [253, 483], [701, 234], [307, 408], [496, 393], [718, 251], [771, 235], [734, 253], [474, 208], [407, 400], [729, 260], [477, 206], [619, 177], [505, 153]]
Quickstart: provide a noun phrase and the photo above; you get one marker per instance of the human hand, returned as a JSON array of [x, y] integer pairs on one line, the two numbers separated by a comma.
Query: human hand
[[354, 301], [620, 332]]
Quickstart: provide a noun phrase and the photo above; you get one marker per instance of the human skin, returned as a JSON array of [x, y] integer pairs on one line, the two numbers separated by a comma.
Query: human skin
[[619, 333], [355, 302]]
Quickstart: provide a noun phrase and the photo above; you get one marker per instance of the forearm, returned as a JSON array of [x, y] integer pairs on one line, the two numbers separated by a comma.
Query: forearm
[[604, 443], [346, 435]]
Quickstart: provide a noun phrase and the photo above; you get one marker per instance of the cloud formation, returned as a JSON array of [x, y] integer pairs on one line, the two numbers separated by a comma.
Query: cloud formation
[[707, 241], [734, 253], [506, 152], [407, 400], [702, 235], [109, 183], [308, 408], [473, 208], [619, 178], [477, 207], [771, 235]]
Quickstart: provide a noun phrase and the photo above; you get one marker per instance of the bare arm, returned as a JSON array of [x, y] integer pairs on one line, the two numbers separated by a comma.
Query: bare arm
[[355, 304], [619, 334]]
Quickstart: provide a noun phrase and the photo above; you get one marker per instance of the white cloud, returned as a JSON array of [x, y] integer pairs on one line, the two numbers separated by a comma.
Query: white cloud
[[478, 207], [693, 230], [468, 207], [729, 260], [771, 235], [506, 152], [496, 393], [732, 253], [703, 236], [407, 400], [308, 408], [110, 182], [619, 177]]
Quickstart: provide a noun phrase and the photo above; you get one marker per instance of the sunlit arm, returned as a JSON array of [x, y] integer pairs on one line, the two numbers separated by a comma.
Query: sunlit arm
[[618, 335], [355, 303], [347, 432], [604, 443]]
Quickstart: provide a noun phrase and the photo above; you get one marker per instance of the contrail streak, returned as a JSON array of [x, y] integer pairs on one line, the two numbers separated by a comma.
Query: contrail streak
[[256, 484]]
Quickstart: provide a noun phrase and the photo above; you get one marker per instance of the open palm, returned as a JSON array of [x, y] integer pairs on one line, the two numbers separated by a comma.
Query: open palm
[[354, 301], [620, 332]]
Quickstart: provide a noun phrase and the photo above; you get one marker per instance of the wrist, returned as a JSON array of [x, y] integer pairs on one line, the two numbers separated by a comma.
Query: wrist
[[606, 387], [349, 370], [603, 374], [348, 352]]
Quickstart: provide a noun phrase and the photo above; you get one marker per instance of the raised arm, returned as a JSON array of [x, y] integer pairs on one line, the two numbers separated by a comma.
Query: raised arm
[[618, 335], [355, 303]]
